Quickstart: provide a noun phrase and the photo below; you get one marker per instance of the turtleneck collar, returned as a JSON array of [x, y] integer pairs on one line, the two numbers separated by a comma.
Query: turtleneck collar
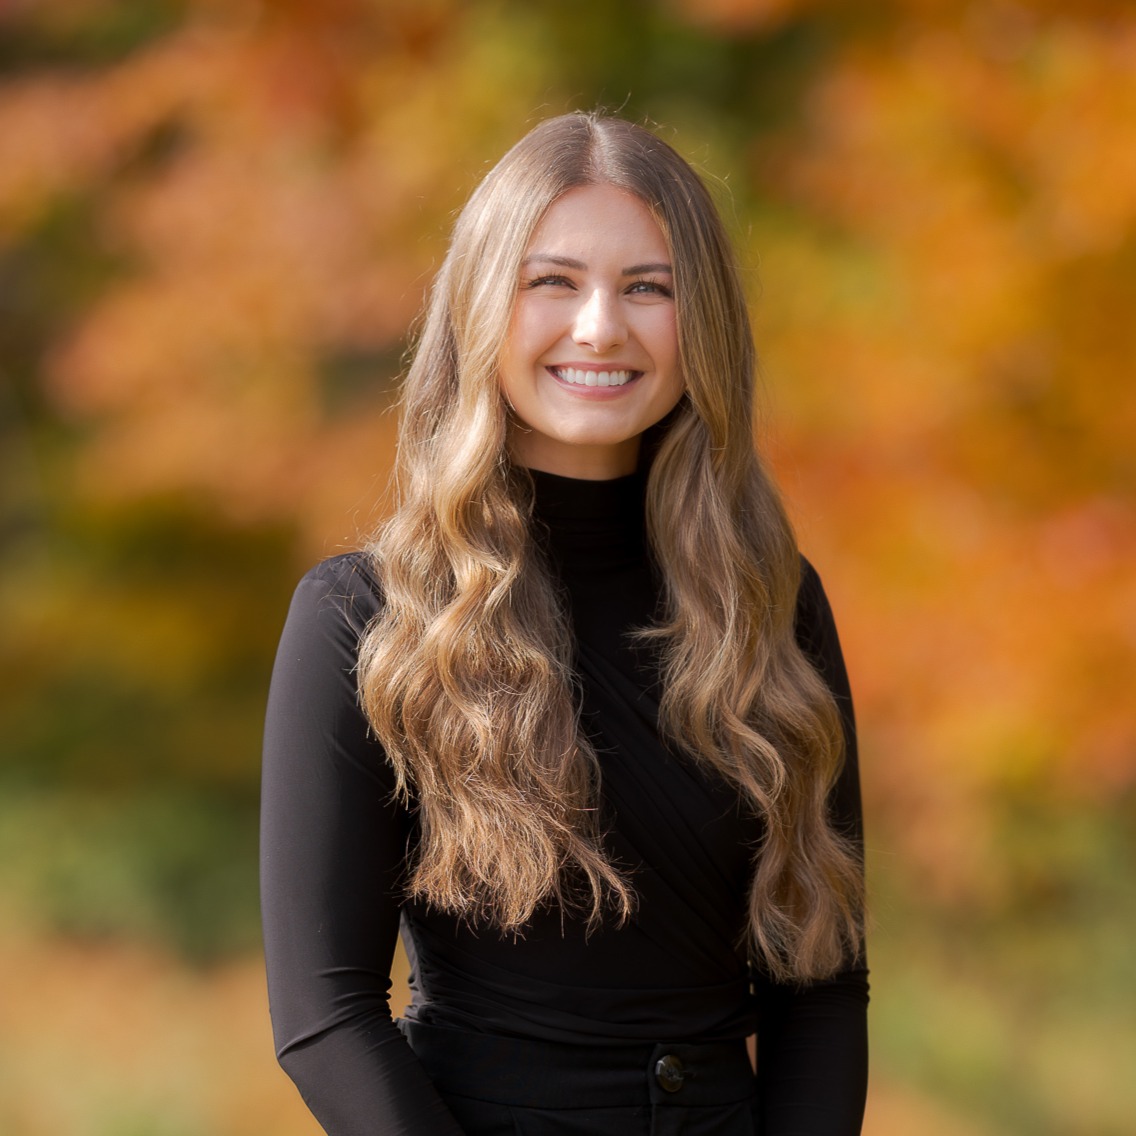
[[591, 525]]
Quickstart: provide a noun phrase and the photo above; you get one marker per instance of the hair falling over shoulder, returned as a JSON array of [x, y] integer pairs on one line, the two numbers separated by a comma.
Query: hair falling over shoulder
[[466, 673]]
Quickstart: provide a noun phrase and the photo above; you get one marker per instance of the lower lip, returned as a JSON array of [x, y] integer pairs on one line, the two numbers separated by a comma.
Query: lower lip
[[600, 393]]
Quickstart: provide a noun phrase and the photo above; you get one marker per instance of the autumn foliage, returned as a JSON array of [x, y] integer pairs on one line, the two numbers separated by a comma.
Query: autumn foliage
[[217, 222]]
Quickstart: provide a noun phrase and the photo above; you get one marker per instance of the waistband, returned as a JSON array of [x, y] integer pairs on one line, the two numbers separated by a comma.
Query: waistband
[[544, 1074]]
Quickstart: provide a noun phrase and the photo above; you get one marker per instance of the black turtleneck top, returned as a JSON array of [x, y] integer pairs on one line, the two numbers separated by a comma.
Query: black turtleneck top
[[334, 841]]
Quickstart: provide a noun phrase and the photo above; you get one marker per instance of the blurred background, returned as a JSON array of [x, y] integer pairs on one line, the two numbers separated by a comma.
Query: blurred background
[[217, 220]]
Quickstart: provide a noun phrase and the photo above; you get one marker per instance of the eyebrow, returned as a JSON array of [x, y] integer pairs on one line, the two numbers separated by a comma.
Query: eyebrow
[[579, 265]]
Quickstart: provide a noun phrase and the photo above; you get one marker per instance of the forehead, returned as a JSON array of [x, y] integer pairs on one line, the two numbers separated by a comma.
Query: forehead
[[595, 220]]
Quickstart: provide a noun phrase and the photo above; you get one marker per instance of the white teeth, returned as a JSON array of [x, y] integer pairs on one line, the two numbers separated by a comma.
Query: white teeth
[[593, 378]]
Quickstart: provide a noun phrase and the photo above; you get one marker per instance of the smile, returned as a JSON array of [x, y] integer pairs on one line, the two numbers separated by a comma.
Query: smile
[[594, 378]]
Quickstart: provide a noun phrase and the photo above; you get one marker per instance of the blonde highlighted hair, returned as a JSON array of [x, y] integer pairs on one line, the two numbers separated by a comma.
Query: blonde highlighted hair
[[466, 673]]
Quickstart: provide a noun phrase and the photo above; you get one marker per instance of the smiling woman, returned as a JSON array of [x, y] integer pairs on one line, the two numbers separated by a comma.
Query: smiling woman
[[591, 357], [577, 721]]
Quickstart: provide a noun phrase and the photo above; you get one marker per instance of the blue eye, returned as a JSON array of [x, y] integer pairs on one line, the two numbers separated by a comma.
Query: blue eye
[[649, 287], [543, 281]]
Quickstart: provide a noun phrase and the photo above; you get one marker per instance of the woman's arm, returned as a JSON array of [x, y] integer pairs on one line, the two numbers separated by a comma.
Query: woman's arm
[[333, 848], [812, 1060]]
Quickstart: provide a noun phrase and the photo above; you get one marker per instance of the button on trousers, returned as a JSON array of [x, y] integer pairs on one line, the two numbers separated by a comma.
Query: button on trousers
[[501, 1086]]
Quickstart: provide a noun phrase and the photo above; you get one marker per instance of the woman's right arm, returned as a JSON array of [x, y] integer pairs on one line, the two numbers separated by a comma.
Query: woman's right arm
[[333, 850]]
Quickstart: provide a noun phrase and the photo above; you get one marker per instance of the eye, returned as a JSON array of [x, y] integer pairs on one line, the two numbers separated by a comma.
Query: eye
[[551, 281], [649, 288]]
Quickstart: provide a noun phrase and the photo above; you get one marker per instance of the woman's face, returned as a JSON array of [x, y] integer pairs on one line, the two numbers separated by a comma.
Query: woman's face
[[591, 358]]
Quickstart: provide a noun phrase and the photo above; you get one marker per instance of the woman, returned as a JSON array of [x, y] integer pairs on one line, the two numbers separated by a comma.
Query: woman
[[578, 718]]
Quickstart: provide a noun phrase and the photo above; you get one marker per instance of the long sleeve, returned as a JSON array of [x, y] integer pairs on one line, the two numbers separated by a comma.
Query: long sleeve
[[813, 1040], [333, 849]]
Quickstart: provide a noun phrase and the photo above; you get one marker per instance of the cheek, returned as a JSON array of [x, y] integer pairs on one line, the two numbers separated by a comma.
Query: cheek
[[511, 362], [664, 342], [518, 362], [529, 331]]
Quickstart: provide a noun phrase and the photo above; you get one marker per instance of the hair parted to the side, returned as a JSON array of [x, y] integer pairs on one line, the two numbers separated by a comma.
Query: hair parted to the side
[[466, 675]]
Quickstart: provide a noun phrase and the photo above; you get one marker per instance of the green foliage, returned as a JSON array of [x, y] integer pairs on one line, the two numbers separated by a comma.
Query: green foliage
[[1018, 1007], [137, 1121], [88, 34], [138, 648], [169, 867]]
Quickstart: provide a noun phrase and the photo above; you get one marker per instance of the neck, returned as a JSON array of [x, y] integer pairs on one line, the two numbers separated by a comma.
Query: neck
[[585, 463]]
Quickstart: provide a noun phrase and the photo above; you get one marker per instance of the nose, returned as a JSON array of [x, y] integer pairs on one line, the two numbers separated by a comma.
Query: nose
[[600, 322]]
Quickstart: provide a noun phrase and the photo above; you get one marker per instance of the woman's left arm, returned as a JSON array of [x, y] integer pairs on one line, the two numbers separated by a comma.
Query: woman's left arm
[[812, 1063]]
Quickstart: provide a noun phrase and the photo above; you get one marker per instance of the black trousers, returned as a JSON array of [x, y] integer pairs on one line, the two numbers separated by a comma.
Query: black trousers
[[501, 1086]]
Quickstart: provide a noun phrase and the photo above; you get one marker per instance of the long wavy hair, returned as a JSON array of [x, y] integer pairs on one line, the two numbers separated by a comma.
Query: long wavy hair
[[466, 673]]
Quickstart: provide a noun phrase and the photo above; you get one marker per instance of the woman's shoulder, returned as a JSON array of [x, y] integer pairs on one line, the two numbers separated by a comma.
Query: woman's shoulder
[[817, 636], [814, 623], [347, 572], [343, 587], [811, 597]]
